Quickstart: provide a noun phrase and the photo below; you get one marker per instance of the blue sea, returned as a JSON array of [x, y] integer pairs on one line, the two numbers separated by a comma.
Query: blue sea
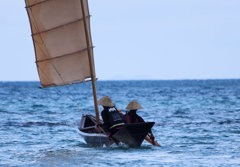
[[197, 124]]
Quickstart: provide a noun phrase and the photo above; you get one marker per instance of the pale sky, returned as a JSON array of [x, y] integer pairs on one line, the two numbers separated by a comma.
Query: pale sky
[[139, 39]]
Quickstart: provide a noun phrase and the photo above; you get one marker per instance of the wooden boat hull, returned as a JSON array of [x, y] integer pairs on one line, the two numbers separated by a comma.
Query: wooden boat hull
[[130, 134], [95, 139], [133, 134], [91, 134]]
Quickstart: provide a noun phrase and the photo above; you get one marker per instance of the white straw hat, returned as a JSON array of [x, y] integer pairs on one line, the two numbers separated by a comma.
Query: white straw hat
[[133, 105], [106, 102]]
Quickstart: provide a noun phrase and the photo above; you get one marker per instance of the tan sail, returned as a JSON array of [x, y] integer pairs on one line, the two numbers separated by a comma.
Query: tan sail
[[59, 39]]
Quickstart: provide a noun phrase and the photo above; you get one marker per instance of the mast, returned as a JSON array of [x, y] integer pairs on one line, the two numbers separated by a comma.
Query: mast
[[90, 56]]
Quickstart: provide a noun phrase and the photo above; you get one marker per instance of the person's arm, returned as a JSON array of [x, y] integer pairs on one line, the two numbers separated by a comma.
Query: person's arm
[[151, 140]]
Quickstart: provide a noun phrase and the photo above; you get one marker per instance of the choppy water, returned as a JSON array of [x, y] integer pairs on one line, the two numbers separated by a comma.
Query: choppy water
[[197, 124]]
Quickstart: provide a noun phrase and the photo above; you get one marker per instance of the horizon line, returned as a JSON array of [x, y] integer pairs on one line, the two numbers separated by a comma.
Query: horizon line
[[186, 79]]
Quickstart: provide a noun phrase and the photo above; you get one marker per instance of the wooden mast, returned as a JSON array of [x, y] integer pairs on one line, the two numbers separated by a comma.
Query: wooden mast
[[90, 56]]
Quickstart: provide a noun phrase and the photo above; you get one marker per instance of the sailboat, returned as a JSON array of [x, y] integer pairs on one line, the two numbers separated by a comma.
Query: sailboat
[[64, 56]]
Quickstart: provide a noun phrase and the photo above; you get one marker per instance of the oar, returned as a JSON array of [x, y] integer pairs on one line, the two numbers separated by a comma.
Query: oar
[[103, 131], [110, 138], [153, 142]]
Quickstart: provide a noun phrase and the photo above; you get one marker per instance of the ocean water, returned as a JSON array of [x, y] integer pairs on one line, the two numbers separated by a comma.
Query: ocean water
[[197, 124]]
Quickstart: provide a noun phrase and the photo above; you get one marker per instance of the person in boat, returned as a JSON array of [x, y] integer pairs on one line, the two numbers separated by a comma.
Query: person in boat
[[113, 120], [132, 117]]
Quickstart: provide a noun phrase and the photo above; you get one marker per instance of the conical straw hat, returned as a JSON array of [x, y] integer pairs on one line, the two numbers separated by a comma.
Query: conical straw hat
[[106, 102], [133, 105]]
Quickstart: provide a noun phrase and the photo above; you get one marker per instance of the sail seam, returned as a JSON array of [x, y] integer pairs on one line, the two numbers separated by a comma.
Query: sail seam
[[69, 83], [60, 26], [68, 54], [38, 3]]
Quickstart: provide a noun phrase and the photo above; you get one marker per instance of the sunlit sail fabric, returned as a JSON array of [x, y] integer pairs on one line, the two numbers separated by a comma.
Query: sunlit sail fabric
[[60, 40]]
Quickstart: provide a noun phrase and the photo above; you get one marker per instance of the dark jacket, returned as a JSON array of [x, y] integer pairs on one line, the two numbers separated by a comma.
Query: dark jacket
[[132, 117], [111, 117]]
